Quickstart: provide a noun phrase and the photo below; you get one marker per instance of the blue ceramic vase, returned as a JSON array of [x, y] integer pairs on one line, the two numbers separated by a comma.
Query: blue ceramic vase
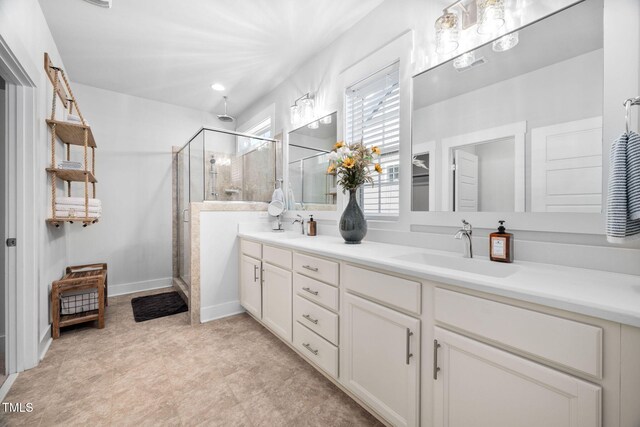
[[353, 226]]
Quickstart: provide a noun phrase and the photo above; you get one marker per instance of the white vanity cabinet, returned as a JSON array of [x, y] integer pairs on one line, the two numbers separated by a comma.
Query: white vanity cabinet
[[479, 385], [380, 359], [251, 285], [277, 298]]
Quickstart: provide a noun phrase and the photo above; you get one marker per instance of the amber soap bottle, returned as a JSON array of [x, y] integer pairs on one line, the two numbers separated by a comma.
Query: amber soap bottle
[[501, 245], [313, 230]]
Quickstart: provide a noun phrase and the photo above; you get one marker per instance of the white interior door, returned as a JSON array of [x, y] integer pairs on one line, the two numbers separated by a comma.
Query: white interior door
[[277, 300], [566, 167], [466, 182], [479, 385]]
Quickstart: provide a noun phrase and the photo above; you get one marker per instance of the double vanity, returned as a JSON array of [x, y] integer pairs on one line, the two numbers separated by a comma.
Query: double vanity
[[428, 338]]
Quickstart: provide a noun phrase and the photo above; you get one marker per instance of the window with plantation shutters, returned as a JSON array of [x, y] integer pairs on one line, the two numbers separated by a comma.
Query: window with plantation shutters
[[373, 117]]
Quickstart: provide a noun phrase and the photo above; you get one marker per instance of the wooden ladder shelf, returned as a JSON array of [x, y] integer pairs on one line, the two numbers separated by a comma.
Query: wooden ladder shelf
[[76, 134]]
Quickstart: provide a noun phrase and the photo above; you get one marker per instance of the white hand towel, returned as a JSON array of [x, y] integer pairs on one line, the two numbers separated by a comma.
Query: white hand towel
[[623, 202], [278, 195], [77, 214], [77, 208], [77, 201]]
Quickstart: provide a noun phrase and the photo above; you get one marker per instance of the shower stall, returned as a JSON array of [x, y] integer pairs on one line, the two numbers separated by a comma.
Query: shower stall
[[217, 170]]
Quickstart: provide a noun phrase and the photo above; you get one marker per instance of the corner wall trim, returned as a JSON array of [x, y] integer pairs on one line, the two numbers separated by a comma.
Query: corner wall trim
[[45, 343], [146, 285], [219, 311]]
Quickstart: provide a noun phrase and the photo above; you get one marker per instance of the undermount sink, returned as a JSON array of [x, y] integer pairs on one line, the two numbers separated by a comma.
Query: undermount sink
[[469, 265]]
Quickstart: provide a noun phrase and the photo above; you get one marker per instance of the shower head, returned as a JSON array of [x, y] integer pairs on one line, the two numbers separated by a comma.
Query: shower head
[[225, 117]]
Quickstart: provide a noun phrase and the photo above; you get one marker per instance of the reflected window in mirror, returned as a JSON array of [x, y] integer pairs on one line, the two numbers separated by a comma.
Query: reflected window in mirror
[[310, 186], [516, 124]]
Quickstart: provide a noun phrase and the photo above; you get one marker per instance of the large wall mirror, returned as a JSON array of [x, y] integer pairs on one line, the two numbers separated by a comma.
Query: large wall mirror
[[310, 186], [515, 125]]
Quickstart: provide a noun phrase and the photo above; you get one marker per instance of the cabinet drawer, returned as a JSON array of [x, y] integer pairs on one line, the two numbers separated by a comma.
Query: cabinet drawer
[[321, 269], [319, 351], [277, 256], [566, 342], [316, 318], [315, 291], [250, 248], [388, 290]]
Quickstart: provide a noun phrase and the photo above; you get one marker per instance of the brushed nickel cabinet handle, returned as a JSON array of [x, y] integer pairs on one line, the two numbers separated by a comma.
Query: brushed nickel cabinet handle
[[308, 347], [409, 354], [308, 267], [436, 346], [255, 273], [310, 319], [310, 291]]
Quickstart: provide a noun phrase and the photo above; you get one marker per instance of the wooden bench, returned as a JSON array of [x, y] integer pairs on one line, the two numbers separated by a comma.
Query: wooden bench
[[77, 279]]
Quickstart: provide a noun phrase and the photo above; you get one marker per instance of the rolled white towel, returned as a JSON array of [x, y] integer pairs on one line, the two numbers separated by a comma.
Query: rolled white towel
[[76, 214], [73, 118], [77, 208], [278, 195], [77, 201]]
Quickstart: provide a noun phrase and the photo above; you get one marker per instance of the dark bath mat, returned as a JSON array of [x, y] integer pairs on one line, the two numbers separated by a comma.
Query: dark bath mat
[[159, 305]]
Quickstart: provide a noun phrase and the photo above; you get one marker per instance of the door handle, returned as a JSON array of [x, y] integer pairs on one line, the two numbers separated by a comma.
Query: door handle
[[310, 319], [409, 354], [308, 267], [310, 291], [185, 219], [255, 273], [436, 346]]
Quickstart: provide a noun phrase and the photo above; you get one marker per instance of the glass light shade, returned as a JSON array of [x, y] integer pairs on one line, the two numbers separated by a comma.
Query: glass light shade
[[313, 125], [447, 33], [490, 16], [505, 43], [306, 110], [326, 120], [295, 114], [464, 60]]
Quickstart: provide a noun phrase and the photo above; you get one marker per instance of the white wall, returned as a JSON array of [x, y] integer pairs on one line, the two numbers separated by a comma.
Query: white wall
[[133, 167], [25, 32], [219, 291]]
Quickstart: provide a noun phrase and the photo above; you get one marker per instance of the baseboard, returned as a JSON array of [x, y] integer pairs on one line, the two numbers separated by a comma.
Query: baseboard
[[147, 285], [45, 343], [4, 390], [219, 311]]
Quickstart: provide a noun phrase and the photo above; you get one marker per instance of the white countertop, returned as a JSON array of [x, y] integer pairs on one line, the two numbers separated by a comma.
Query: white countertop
[[600, 294]]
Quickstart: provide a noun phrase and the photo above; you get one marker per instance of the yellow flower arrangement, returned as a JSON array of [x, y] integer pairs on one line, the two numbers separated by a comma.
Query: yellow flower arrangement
[[352, 163]]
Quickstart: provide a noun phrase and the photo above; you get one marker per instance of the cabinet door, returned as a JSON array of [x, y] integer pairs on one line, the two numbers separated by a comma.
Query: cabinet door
[[479, 385], [278, 294], [251, 285], [380, 359]]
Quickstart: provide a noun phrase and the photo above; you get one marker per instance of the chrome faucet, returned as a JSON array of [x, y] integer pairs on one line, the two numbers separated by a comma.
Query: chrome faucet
[[301, 221], [465, 234]]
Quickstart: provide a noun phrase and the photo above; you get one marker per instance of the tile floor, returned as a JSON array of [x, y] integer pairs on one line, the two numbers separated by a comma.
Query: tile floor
[[230, 372]]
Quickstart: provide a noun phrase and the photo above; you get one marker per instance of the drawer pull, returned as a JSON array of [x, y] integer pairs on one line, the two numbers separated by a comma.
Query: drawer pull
[[409, 354], [308, 347], [255, 273], [436, 346], [310, 291], [308, 267], [310, 319]]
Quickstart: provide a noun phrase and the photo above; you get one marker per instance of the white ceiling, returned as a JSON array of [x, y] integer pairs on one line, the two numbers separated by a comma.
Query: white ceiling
[[172, 51]]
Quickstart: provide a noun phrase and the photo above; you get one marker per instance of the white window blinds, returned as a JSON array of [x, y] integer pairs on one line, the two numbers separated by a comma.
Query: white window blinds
[[373, 117]]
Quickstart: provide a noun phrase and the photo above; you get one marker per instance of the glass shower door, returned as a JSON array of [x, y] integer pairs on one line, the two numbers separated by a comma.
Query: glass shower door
[[184, 261]]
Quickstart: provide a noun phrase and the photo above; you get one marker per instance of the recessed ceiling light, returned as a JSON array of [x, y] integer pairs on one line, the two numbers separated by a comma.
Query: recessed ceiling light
[[217, 86]]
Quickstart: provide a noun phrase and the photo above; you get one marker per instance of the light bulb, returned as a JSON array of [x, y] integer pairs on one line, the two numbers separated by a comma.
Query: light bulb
[[217, 87]]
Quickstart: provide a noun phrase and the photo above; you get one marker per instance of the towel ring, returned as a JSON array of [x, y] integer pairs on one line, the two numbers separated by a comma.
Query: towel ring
[[627, 106]]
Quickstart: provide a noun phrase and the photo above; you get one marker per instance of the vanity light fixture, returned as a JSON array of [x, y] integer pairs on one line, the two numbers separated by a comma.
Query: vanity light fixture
[[217, 87], [465, 60], [303, 109], [490, 16], [505, 43]]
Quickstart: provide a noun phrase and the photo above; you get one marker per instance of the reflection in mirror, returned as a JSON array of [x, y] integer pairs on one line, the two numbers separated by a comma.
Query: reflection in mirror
[[310, 187], [515, 125]]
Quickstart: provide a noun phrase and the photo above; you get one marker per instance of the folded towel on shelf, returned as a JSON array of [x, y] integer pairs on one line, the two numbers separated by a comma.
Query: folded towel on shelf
[[73, 118], [70, 165], [77, 201], [77, 208], [623, 202], [77, 214]]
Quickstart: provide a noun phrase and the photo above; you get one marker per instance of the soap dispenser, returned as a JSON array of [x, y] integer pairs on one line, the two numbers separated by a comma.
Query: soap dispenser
[[501, 245], [312, 226]]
